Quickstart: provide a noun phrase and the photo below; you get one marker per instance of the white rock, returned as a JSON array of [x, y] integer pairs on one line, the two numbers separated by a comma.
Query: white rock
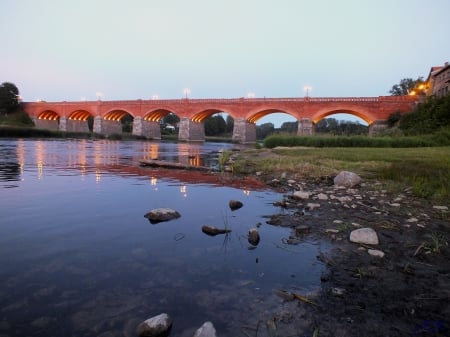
[[347, 179], [322, 196], [441, 208], [413, 219], [206, 330], [312, 205], [364, 235], [376, 252], [300, 195], [155, 326], [291, 182]]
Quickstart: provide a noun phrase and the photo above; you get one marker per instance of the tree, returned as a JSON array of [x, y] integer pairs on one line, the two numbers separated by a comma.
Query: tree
[[289, 127], [171, 119], [264, 130], [406, 86], [215, 125], [9, 97], [230, 124]]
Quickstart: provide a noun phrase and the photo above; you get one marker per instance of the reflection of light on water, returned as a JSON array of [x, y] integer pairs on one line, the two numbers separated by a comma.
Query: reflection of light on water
[[98, 176], [154, 182], [246, 192], [183, 190], [151, 151], [21, 155], [40, 154]]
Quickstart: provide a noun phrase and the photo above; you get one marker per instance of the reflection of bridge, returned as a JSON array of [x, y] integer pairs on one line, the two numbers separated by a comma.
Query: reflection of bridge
[[147, 114]]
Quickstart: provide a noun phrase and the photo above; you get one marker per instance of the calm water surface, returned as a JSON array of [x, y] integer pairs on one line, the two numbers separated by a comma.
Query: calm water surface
[[78, 258]]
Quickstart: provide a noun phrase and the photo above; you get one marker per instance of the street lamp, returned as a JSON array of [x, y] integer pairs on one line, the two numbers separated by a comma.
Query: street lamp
[[307, 90], [251, 95], [186, 92], [99, 95], [155, 97]]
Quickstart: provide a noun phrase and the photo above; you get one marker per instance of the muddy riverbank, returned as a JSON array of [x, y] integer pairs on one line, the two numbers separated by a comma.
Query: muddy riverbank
[[405, 292]]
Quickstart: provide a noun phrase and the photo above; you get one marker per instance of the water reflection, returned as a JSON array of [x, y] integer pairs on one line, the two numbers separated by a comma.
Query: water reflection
[[78, 257]]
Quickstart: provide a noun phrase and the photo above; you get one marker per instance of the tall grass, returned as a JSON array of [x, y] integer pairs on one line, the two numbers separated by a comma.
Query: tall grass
[[441, 138]]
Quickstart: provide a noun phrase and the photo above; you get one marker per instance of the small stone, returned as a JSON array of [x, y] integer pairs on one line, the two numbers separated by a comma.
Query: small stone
[[235, 204], [322, 196], [302, 229], [291, 182], [441, 208], [312, 205], [157, 326], [206, 330], [300, 195], [332, 230], [395, 204], [212, 231], [253, 236], [347, 179], [161, 214], [412, 219], [364, 235], [376, 252], [337, 291]]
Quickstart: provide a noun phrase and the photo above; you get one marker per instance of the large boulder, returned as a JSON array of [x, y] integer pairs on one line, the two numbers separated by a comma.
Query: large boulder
[[157, 326], [206, 330], [161, 214], [347, 179], [364, 235]]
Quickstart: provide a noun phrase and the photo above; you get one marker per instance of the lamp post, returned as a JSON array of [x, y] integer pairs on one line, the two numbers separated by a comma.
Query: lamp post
[[251, 95], [99, 95], [307, 89], [186, 92]]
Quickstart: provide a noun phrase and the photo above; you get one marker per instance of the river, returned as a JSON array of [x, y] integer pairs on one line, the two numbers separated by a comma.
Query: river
[[78, 258]]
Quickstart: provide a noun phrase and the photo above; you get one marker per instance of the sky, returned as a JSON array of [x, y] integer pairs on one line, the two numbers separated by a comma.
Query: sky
[[68, 50]]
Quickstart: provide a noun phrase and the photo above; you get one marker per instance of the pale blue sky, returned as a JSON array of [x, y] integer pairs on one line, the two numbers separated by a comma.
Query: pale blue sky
[[67, 50]]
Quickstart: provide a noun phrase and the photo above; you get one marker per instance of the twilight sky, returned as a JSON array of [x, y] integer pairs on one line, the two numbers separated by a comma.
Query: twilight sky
[[70, 50]]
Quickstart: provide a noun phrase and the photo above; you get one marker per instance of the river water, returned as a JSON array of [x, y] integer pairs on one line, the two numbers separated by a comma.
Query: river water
[[78, 258]]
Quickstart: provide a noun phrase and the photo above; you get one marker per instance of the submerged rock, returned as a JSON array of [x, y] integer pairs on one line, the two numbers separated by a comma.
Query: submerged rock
[[253, 236], [161, 214], [212, 231], [300, 195], [347, 179], [157, 326], [235, 204], [206, 330], [364, 235]]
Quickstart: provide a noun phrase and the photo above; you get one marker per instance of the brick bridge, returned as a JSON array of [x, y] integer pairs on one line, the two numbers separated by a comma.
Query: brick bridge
[[147, 114]]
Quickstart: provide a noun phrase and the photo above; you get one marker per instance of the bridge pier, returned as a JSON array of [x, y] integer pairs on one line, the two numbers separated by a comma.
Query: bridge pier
[[46, 123], [191, 131], [306, 127], [244, 132], [107, 127], [377, 127], [148, 129], [72, 125]]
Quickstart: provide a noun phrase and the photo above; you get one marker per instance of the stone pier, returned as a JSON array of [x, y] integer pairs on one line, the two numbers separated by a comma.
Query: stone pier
[[107, 127], [305, 127], [377, 126], [244, 132], [191, 131], [148, 129]]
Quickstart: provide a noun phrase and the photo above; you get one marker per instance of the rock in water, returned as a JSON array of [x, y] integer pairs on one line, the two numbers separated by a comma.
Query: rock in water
[[253, 236], [157, 326], [212, 231], [364, 235], [235, 204], [206, 330], [161, 214], [347, 179]]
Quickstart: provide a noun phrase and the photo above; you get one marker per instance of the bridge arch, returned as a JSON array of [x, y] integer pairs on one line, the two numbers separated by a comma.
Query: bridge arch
[[50, 115], [116, 114], [364, 115], [254, 117], [157, 115]]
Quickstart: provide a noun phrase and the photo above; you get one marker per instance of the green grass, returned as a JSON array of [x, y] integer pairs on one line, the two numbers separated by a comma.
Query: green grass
[[426, 170]]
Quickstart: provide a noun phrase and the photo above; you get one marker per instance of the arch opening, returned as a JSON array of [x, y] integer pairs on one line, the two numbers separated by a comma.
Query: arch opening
[[345, 115], [342, 123], [275, 116], [48, 115], [80, 115]]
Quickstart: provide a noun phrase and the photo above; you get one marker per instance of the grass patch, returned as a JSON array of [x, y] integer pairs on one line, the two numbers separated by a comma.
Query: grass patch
[[426, 170]]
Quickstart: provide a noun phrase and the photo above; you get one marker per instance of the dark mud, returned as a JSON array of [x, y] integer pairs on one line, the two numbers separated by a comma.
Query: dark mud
[[404, 293]]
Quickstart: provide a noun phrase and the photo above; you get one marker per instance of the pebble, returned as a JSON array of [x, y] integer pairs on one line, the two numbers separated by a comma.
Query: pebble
[[376, 252], [441, 208]]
